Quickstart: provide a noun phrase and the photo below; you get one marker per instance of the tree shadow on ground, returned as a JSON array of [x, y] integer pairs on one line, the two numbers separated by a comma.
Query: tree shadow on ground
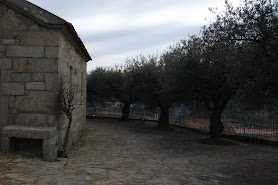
[[222, 142]]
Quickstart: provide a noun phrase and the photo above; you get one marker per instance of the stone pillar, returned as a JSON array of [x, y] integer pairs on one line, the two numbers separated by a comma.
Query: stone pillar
[[50, 149], [5, 144]]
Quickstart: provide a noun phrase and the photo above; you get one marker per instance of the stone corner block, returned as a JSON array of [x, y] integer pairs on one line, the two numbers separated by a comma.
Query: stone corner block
[[40, 38], [25, 51], [8, 41], [35, 86], [52, 52], [43, 65], [38, 101], [5, 63], [22, 77], [38, 77], [10, 88], [20, 65], [11, 22], [5, 143], [50, 149]]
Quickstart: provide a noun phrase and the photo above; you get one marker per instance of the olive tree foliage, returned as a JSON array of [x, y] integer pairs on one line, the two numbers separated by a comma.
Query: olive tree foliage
[[253, 26], [208, 73], [155, 83], [154, 87], [131, 92], [100, 84], [169, 88], [236, 54], [116, 84], [251, 34], [104, 85], [142, 78]]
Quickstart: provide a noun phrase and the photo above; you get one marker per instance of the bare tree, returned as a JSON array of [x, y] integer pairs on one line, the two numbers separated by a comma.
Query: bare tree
[[70, 99]]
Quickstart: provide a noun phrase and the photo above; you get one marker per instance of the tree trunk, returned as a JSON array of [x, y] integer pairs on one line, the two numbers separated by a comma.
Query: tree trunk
[[63, 153], [163, 122], [67, 136], [125, 110], [219, 104], [216, 126]]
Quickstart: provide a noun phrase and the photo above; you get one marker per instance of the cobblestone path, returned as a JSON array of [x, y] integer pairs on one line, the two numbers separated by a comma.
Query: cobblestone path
[[116, 153]]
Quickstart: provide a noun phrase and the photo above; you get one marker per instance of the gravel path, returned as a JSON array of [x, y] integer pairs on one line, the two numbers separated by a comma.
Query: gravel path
[[115, 152]]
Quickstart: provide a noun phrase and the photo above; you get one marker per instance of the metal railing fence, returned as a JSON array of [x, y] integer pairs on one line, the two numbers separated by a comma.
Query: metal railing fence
[[233, 123]]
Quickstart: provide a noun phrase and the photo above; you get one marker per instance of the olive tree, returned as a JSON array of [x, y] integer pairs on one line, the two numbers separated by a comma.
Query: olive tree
[[237, 53]]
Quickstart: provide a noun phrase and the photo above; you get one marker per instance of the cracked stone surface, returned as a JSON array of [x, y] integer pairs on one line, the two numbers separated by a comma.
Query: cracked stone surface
[[129, 153]]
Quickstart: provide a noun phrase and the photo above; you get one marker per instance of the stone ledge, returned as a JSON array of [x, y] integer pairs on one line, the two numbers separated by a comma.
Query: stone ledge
[[47, 134], [31, 132]]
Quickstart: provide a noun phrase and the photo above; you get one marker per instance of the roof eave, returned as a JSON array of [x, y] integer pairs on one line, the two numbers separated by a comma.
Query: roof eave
[[61, 25], [78, 41]]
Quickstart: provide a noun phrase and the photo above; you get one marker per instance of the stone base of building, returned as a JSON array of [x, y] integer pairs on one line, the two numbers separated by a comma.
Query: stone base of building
[[48, 136]]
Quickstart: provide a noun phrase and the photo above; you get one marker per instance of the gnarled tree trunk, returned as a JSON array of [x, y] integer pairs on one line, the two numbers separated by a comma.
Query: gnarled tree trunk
[[126, 110], [216, 126], [163, 122], [65, 145]]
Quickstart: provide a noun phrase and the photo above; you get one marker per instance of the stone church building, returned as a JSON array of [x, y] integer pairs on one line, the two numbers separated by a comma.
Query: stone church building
[[38, 50]]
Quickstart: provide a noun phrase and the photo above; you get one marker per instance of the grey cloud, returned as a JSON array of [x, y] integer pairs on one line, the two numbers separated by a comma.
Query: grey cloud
[[130, 40], [69, 9], [127, 39]]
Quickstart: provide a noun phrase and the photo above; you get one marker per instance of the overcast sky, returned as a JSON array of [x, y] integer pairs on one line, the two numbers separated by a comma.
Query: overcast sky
[[114, 30]]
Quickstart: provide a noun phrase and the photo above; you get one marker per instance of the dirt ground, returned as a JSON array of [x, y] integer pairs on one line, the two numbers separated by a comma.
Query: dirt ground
[[115, 152]]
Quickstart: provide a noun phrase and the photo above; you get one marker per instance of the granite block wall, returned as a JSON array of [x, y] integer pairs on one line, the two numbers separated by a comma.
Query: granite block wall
[[33, 59]]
